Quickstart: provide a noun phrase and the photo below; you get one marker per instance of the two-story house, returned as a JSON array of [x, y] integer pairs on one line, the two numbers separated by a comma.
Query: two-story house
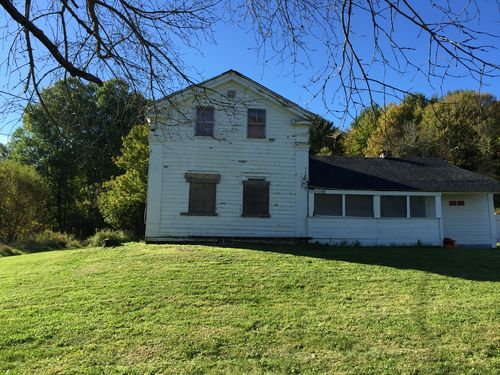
[[230, 160]]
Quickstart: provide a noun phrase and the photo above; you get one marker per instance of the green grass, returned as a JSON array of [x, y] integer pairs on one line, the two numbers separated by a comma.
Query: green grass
[[277, 309]]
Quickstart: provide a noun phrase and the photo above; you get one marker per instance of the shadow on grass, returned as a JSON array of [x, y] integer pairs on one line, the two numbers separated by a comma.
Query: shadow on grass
[[470, 264]]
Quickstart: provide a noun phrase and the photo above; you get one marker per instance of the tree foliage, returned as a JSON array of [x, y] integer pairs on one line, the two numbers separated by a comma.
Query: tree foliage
[[462, 127], [324, 138], [397, 129], [72, 145], [465, 129], [23, 201], [3, 151], [363, 50], [123, 201], [356, 139]]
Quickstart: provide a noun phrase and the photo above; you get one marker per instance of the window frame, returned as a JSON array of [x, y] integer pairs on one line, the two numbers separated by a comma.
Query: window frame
[[201, 178], [315, 210], [248, 182], [359, 195], [433, 206], [403, 198], [264, 125], [197, 130]]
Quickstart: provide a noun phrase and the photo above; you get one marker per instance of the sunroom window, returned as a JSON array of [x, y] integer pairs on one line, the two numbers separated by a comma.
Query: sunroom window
[[328, 204], [393, 206], [422, 206], [359, 205]]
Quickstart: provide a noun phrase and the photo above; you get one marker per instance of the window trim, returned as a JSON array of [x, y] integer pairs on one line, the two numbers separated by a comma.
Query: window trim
[[249, 180], [201, 178], [264, 126], [202, 107], [439, 202]]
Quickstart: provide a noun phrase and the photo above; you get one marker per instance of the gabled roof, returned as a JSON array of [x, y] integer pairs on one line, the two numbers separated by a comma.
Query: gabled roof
[[248, 83], [396, 174]]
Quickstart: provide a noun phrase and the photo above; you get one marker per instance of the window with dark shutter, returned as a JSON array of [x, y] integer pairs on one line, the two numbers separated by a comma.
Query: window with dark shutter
[[204, 121], [202, 193], [256, 198], [256, 123]]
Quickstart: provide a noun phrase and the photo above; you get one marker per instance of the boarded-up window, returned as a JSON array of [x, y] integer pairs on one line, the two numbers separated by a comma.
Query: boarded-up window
[[359, 205], [256, 198], [393, 206], [202, 193], [256, 123], [204, 121], [328, 204], [421, 206]]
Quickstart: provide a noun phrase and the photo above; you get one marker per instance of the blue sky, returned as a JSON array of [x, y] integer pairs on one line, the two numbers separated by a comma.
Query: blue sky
[[235, 49]]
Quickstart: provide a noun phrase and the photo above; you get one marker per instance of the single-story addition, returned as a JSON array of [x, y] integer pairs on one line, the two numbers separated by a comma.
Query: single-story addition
[[383, 201], [230, 160]]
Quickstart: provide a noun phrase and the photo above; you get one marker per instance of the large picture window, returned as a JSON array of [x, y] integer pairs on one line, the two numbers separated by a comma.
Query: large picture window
[[204, 121], [256, 127], [328, 204], [393, 206], [359, 205], [202, 193], [256, 198]]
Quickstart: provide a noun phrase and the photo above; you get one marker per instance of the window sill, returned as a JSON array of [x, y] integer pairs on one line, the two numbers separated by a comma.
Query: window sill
[[261, 216], [203, 136], [199, 214]]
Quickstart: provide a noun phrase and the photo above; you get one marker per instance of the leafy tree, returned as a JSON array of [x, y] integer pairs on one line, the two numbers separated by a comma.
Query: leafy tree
[[465, 129], [356, 139], [123, 201], [398, 129], [73, 143], [363, 51], [324, 138], [23, 201], [3, 151]]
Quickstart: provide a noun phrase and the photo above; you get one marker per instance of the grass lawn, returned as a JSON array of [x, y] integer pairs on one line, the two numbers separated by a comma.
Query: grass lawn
[[271, 309]]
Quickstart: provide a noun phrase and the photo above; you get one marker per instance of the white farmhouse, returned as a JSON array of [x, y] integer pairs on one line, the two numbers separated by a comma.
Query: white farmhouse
[[230, 160]]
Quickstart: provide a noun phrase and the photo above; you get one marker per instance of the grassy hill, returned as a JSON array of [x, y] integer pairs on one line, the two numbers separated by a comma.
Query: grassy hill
[[278, 309]]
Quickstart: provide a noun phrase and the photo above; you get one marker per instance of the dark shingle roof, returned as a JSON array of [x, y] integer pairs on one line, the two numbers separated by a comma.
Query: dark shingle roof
[[404, 174]]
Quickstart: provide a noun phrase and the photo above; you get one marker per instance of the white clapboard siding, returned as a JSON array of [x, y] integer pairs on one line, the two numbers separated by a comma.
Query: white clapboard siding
[[374, 231], [281, 158], [468, 224]]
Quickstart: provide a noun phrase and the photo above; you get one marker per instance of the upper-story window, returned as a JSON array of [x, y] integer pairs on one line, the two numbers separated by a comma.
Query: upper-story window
[[256, 123], [204, 121]]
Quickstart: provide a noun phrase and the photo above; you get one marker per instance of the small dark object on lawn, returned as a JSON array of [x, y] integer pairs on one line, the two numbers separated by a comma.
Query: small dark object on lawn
[[449, 243], [110, 242]]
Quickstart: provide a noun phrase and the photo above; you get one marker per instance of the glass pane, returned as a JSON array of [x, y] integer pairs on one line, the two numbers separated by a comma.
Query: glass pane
[[328, 204], [393, 206], [256, 131], [422, 206], [359, 205], [204, 121], [256, 123], [257, 116]]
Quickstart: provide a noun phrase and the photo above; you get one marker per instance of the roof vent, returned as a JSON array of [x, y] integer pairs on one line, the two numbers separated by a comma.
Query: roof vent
[[231, 93]]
